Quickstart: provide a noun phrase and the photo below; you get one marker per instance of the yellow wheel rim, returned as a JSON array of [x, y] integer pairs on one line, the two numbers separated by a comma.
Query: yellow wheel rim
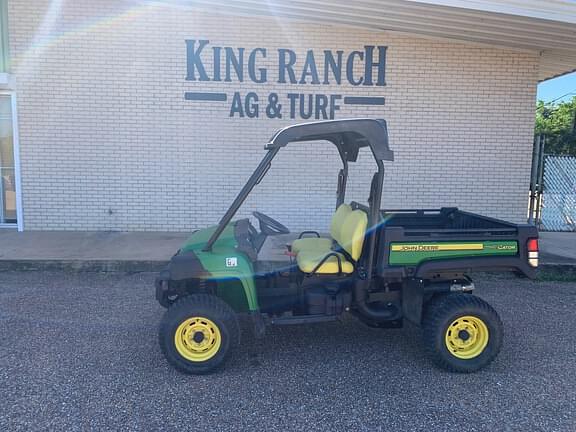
[[197, 339], [467, 337]]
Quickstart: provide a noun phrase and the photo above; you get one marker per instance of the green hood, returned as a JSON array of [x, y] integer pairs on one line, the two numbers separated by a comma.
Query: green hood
[[199, 239], [225, 263]]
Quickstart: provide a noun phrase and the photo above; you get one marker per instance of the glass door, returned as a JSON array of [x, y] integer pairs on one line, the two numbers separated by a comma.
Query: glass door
[[8, 214]]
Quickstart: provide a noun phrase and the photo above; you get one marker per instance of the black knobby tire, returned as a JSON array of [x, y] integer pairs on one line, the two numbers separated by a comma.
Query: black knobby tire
[[444, 310], [199, 305]]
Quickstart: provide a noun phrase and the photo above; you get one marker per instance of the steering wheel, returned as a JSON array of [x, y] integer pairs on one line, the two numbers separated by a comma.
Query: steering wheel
[[270, 226]]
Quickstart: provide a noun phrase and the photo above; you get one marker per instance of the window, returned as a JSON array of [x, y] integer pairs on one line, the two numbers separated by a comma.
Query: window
[[4, 49], [7, 163], [10, 203]]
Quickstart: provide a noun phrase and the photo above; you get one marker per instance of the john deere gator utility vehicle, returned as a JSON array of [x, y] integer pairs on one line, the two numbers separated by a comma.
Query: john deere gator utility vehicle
[[383, 266]]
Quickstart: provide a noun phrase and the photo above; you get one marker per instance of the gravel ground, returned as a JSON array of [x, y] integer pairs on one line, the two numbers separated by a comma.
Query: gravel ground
[[80, 351]]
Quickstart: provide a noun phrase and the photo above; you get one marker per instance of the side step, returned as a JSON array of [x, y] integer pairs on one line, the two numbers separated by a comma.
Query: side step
[[305, 319]]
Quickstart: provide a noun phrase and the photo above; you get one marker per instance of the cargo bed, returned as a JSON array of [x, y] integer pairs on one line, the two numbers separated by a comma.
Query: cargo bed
[[424, 242]]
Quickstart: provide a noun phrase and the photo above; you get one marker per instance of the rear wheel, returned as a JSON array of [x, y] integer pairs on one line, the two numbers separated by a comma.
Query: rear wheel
[[197, 332], [462, 333]]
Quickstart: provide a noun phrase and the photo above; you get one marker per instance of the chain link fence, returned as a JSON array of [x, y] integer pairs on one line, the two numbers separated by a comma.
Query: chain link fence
[[558, 211]]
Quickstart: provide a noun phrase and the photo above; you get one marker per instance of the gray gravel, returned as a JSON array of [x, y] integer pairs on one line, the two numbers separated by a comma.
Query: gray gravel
[[80, 352]]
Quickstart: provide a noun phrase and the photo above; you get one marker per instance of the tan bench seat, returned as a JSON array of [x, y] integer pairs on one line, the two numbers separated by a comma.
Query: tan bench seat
[[322, 243], [350, 239]]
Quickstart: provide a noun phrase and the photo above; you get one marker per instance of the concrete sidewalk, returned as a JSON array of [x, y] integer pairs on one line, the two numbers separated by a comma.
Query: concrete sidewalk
[[149, 251], [89, 251]]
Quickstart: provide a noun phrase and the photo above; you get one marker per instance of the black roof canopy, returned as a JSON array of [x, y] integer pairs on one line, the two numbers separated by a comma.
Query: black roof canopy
[[347, 135]]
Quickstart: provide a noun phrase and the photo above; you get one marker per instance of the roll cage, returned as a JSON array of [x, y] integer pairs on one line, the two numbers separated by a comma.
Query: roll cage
[[348, 136]]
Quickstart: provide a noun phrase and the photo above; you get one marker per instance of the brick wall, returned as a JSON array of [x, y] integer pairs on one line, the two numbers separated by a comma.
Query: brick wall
[[109, 143]]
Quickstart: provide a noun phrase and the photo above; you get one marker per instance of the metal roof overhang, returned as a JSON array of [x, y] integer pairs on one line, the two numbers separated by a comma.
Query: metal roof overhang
[[545, 26]]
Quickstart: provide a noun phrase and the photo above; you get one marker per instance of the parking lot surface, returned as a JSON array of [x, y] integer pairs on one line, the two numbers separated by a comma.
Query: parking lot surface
[[80, 352]]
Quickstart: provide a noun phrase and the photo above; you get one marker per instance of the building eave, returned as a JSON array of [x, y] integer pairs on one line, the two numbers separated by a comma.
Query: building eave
[[544, 26]]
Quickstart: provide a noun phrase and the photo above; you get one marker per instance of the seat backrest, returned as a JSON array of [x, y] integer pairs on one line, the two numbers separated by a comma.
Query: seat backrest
[[353, 232], [338, 221]]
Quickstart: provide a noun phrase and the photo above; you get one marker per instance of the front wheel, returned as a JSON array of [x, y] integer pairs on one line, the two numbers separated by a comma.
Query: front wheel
[[197, 332], [462, 333]]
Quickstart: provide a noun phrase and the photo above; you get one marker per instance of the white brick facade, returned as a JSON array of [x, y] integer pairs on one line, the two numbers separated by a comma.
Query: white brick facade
[[108, 142]]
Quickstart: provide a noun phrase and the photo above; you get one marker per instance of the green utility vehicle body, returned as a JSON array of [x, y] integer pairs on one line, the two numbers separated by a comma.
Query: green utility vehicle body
[[233, 272], [382, 265]]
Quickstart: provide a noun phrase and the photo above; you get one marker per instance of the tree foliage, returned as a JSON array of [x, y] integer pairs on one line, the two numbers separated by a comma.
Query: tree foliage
[[558, 123]]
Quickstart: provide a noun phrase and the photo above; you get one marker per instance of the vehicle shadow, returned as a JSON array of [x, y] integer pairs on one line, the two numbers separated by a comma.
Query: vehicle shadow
[[331, 343]]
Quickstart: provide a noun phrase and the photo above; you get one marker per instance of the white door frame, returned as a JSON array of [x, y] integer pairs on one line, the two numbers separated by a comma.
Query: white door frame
[[17, 175]]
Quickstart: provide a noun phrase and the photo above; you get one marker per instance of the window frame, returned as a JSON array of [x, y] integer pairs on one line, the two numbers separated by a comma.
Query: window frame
[[16, 148]]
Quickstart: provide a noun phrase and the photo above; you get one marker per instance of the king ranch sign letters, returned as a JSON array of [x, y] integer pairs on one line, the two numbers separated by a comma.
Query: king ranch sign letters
[[365, 68]]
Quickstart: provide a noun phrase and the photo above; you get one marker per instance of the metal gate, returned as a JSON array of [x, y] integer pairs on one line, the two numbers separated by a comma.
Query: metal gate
[[558, 205]]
